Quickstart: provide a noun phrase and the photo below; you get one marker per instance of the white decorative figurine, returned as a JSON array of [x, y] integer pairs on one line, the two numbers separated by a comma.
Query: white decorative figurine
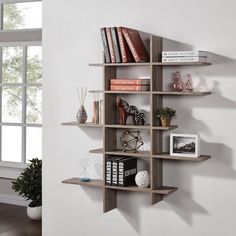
[[142, 179]]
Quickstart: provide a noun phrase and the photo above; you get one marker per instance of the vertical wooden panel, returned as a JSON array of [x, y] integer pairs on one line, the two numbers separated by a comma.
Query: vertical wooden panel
[[156, 102], [156, 48], [109, 199], [109, 73], [111, 114]]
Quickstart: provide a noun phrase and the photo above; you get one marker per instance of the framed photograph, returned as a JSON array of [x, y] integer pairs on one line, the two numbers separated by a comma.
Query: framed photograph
[[185, 145]]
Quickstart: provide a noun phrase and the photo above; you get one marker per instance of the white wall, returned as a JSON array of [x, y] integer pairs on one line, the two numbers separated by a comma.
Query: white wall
[[205, 202]]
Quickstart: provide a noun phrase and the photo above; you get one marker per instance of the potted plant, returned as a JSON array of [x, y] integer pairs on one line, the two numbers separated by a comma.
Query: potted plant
[[29, 186], [166, 114]]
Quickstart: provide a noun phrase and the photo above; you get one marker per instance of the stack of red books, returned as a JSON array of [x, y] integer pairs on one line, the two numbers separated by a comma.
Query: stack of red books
[[128, 84]]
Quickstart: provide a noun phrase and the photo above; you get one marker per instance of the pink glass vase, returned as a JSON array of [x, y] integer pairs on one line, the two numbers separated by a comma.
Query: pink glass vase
[[178, 84], [189, 84]]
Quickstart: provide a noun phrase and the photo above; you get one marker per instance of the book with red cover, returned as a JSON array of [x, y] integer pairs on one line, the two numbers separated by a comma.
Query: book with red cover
[[136, 45], [126, 54], [125, 81], [110, 45], [130, 87]]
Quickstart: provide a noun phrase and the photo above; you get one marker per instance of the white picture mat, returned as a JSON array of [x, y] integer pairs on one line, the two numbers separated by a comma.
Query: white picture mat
[[197, 145]]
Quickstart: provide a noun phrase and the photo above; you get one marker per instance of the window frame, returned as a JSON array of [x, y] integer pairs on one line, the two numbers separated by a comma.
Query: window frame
[[14, 38]]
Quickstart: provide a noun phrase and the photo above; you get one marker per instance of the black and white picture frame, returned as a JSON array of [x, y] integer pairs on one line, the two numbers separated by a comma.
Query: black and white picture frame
[[185, 145]]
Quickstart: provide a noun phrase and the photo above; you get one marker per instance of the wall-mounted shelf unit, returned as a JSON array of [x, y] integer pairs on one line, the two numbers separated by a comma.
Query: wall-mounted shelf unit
[[155, 156]]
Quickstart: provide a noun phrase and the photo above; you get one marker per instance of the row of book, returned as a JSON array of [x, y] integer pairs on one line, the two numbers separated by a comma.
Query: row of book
[[184, 56], [123, 45], [129, 84], [120, 171]]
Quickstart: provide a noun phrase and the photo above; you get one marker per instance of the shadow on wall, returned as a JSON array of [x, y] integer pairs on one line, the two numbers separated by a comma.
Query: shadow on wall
[[219, 166]]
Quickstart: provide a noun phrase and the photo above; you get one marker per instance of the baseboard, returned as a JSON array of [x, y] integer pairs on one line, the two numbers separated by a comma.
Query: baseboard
[[13, 200]]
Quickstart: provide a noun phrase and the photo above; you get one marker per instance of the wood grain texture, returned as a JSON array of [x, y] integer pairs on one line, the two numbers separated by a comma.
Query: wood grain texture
[[97, 151], [109, 199], [153, 63], [131, 154], [165, 190], [117, 126], [93, 183], [195, 93], [130, 188], [165, 128], [75, 123], [194, 159]]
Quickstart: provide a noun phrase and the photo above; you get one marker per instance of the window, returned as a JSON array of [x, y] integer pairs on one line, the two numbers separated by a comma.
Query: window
[[20, 83], [23, 15]]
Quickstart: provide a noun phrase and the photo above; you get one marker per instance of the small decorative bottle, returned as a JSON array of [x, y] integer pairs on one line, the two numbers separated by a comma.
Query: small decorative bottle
[[189, 84], [178, 84], [81, 115]]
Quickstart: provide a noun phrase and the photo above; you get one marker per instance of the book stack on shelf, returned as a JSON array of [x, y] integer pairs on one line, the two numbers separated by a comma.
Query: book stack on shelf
[[127, 84], [120, 171], [123, 45], [184, 56], [98, 106]]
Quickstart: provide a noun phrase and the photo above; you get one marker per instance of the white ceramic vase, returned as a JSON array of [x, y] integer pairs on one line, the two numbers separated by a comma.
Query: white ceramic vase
[[34, 213]]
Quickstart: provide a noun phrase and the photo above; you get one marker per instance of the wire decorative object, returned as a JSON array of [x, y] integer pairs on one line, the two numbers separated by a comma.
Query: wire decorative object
[[131, 141]]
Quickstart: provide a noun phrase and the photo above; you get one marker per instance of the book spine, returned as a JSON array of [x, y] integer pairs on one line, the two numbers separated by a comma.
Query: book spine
[[131, 46], [129, 88], [101, 107], [184, 59], [184, 54], [105, 45], [115, 43], [115, 173], [122, 46], [129, 81], [110, 45], [121, 174], [108, 172]]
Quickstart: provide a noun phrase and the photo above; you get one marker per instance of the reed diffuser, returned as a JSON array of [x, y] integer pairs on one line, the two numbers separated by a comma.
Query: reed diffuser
[[82, 114]]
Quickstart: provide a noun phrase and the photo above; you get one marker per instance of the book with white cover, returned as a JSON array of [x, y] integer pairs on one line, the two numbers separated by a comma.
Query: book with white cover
[[184, 59], [194, 53]]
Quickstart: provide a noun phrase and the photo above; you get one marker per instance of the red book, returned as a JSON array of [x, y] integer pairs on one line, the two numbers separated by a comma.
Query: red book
[[130, 81], [130, 87], [126, 54], [110, 45], [136, 45]]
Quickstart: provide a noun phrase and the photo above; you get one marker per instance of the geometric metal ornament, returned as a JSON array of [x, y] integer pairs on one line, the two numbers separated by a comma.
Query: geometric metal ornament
[[131, 141]]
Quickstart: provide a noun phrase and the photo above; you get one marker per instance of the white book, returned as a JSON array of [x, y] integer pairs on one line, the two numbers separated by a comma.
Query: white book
[[194, 53], [184, 59], [101, 115]]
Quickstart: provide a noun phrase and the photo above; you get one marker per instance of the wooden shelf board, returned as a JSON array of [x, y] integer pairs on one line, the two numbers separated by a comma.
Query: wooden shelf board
[[181, 63], [165, 190], [117, 126], [93, 183], [89, 124], [96, 91], [194, 93], [179, 158], [165, 128], [131, 154], [154, 64], [128, 92], [97, 151], [121, 64], [130, 188]]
